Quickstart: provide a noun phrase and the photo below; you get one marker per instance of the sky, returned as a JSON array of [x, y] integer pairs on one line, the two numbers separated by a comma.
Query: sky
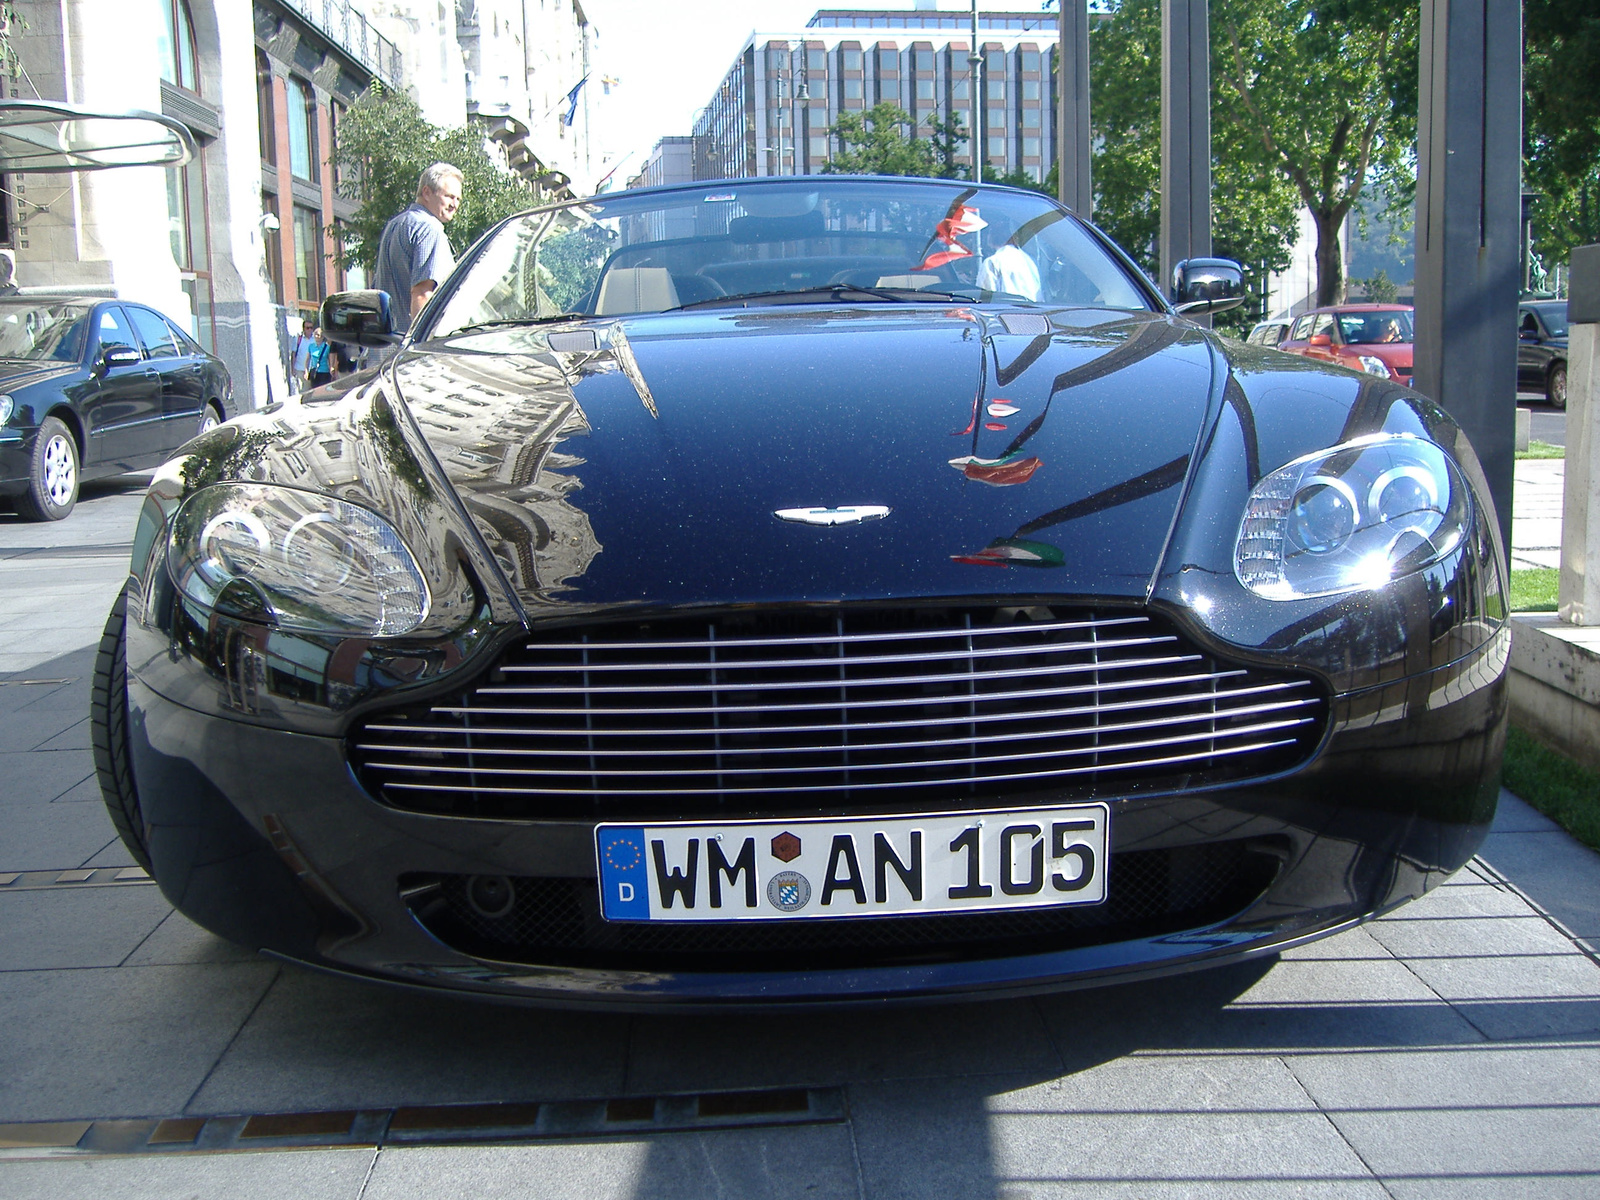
[[670, 55]]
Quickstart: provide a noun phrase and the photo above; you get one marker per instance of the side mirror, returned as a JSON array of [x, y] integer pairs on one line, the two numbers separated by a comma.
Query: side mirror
[[1319, 339], [1528, 335], [119, 356], [1207, 285], [358, 319]]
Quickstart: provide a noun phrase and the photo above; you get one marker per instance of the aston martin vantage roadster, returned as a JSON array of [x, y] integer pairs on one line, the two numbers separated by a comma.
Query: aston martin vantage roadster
[[807, 590]]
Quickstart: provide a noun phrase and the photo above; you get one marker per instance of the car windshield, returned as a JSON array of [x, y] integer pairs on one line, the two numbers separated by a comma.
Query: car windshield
[[1554, 317], [1369, 328], [40, 331], [791, 242]]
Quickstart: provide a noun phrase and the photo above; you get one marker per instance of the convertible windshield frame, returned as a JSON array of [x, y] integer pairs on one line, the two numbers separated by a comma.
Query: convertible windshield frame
[[642, 251]]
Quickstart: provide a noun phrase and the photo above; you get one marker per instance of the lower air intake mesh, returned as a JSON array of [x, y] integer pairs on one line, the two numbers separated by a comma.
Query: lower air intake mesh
[[556, 922]]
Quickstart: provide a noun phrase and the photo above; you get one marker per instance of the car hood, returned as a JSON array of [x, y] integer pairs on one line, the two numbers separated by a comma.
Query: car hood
[[17, 373], [654, 460]]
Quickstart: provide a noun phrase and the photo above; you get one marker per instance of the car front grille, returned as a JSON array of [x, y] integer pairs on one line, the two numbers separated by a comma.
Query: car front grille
[[557, 922], [851, 709]]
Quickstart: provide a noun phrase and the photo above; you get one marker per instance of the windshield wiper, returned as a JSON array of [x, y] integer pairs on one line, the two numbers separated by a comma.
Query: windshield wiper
[[503, 322], [832, 291]]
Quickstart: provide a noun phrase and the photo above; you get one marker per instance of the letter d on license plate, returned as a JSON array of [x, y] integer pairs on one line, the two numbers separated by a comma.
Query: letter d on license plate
[[862, 867]]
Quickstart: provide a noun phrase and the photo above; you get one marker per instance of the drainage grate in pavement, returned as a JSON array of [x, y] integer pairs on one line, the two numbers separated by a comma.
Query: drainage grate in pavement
[[422, 1125], [56, 881]]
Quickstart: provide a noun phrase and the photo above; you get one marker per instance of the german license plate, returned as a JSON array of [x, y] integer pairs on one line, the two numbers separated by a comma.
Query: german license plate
[[861, 867]]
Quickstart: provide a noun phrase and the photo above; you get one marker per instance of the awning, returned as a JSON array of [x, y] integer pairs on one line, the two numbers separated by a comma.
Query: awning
[[46, 137]]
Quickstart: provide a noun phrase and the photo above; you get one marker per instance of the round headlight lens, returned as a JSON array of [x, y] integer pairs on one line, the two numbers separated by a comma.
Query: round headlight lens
[[1324, 515], [1352, 517], [7, 407], [316, 563], [1373, 365]]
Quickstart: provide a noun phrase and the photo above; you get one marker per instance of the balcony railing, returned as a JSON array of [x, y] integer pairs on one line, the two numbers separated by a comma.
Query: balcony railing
[[349, 29]]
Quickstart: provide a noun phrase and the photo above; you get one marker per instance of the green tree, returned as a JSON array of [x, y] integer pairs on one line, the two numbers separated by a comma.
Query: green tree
[[881, 141], [1254, 208], [385, 143], [1327, 91], [1561, 124]]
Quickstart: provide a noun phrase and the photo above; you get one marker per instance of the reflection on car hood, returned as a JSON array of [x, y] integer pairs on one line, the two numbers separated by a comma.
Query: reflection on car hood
[[644, 460], [16, 372]]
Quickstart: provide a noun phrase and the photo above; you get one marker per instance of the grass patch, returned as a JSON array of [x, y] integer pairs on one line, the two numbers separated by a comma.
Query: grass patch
[[1562, 790], [1533, 589], [1542, 450]]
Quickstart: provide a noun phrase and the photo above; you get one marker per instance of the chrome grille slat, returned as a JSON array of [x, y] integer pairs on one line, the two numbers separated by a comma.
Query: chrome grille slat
[[885, 703], [722, 770], [785, 789], [861, 660], [884, 681], [1166, 719], [1041, 714], [683, 716], [831, 639]]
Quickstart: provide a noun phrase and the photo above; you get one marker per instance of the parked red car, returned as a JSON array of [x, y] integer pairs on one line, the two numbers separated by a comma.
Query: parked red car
[[1375, 338]]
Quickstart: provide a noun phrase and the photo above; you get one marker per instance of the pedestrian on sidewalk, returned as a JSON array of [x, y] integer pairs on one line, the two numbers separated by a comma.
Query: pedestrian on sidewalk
[[297, 361], [319, 359]]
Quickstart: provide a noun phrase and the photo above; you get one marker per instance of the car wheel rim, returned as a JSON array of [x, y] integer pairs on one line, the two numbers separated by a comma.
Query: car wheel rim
[[209, 421], [60, 471], [1558, 388]]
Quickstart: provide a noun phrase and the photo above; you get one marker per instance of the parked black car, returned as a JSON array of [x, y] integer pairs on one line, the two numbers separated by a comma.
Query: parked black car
[[796, 590], [1542, 349], [92, 387]]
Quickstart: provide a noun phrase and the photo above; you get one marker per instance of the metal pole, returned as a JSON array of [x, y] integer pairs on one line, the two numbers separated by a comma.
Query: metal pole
[[1469, 128], [975, 64], [1185, 134], [1072, 112]]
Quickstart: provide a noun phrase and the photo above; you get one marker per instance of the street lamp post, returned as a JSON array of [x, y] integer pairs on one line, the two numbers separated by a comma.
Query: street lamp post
[[975, 64]]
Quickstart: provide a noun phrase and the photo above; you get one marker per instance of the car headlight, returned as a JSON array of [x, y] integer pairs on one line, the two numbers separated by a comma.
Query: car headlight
[[1351, 518], [1373, 365], [7, 407], [310, 562]]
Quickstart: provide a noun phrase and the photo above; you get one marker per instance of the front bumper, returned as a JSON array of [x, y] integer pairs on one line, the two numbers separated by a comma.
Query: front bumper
[[266, 838]]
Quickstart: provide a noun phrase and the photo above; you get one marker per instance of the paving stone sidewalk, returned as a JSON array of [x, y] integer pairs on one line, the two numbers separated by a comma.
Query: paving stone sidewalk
[[1449, 1050]]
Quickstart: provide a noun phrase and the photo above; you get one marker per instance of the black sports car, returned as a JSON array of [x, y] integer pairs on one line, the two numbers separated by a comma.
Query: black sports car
[[95, 387], [808, 590]]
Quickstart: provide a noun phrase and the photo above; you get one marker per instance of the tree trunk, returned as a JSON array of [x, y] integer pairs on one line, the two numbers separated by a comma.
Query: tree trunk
[[1330, 260]]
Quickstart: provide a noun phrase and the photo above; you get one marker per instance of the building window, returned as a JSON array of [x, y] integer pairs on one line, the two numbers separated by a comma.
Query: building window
[[175, 46], [924, 60], [1030, 147], [817, 61], [307, 255], [818, 149], [959, 89], [994, 62], [997, 89], [852, 60], [997, 118], [889, 60], [924, 89], [1030, 118], [852, 89], [1030, 89], [188, 230], [1030, 60], [266, 126], [302, 130], [273, 239]]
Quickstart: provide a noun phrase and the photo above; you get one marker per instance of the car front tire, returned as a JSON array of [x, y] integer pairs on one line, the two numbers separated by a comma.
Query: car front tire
[[211, 417], [108, 720], [52, 474], [1555, 388]]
